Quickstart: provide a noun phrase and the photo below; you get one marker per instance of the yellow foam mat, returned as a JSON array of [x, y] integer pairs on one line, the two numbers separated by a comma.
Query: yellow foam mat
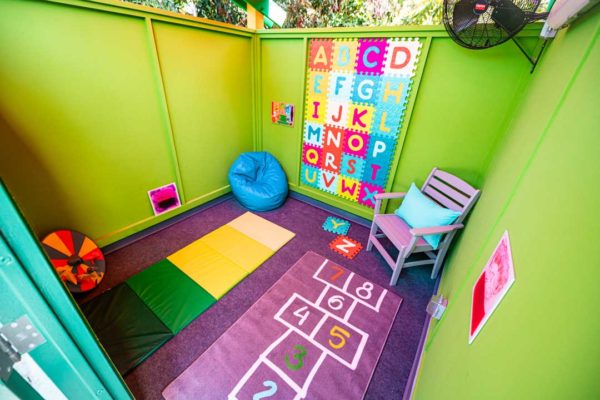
[[238, 247], [216, 273], [265, 232]]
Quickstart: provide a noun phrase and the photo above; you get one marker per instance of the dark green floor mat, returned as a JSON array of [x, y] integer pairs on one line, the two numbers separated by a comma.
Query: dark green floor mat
[[126, 327], [174, 297]]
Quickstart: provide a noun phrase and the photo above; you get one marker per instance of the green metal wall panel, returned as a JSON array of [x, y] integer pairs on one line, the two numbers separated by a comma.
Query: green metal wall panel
[[282, 76], [542, 341], [102, 102], [208, 84], [457, 112], [81, 127]]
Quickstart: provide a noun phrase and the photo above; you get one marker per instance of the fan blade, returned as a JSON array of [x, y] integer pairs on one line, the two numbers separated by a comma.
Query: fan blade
[[510, 17], [463, 16]]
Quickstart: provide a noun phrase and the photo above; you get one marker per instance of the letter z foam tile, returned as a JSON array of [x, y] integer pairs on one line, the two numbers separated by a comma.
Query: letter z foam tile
[[345, 246]]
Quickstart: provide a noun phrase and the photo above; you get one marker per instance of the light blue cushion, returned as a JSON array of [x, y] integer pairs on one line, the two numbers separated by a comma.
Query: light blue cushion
[[419, 211]]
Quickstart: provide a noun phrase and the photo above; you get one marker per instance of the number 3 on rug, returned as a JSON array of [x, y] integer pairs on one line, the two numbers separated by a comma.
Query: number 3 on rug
[[298, 356], [339, 333], [272, 389]]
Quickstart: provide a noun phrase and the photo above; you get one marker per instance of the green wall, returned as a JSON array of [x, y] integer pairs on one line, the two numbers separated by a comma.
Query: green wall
[[104, 101], [458, 108], [101, 103], [542, 186]]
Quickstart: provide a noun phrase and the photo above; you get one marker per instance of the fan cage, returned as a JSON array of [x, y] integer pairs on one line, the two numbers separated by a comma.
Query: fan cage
[[485, 32]]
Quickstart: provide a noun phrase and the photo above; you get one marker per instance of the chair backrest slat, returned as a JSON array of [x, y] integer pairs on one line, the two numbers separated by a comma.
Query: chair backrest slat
[[441, 199], [453, 194], [456, 182], [450, 192]]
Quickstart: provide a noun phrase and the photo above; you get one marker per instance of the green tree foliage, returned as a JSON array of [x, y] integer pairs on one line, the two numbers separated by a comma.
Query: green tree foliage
[[216, 10], [319, 13], [336, 13], [221, 10]]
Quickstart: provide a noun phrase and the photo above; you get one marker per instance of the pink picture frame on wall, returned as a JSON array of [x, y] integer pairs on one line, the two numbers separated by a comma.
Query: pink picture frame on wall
[[497, 277], [164, 198]]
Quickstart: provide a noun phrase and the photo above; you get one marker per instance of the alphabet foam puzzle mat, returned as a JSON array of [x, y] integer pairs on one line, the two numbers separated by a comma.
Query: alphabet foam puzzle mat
[[317, 333], [346, 246], [137, 317], [336, 225], [357, 91]]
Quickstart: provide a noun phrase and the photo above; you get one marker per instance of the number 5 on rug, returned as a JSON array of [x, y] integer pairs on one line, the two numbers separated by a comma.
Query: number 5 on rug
[[341, 334]]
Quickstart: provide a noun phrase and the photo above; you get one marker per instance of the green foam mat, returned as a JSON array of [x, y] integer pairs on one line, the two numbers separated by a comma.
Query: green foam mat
[[126, 327], [170, 294]]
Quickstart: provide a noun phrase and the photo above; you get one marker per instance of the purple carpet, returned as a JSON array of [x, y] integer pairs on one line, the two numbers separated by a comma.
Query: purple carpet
[[415, 287], [317, 333]]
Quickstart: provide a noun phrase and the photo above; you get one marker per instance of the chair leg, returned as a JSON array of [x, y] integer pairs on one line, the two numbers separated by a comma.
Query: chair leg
[[371, 233], [437, 265], [398, 268]]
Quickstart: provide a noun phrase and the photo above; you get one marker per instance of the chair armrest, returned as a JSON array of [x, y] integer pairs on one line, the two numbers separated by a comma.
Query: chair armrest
[[380, 196], [393, 195], [434, 230]]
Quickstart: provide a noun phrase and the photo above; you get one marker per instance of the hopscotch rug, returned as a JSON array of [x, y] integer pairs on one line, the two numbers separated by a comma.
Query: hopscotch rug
[[316, 333]]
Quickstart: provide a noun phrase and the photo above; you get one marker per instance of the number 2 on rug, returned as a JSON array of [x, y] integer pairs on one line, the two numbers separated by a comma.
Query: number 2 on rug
[[272, 389], [339, 333], [298, 356]]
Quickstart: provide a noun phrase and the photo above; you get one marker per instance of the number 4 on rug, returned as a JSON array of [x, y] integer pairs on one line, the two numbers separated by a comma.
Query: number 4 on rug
[[345, 246]]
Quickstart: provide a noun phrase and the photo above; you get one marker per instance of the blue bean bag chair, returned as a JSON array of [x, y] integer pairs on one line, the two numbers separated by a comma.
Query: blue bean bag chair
[[258, 181]]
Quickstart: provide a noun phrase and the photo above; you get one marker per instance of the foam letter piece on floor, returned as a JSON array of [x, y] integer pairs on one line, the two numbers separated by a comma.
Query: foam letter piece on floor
[[126, 327], [336, 225], [269, 234], [173, 296], [208, 268], [345, 246], [238, 247]]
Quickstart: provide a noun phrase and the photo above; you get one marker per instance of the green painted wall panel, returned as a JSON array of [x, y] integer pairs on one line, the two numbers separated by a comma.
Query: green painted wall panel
[[464, 99], [80, 123], [460, 112], [87, 126], [208, 84], [282, 77], [531, 113], [542, 340]]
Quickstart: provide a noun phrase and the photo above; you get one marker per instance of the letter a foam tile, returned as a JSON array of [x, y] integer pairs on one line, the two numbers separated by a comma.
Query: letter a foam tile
[[345, 246]]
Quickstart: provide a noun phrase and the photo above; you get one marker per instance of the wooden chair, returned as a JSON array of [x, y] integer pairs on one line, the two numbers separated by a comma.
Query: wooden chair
[[446, 190]]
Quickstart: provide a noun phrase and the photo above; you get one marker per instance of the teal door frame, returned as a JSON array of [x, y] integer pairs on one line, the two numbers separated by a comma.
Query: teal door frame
[[32, 287]]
